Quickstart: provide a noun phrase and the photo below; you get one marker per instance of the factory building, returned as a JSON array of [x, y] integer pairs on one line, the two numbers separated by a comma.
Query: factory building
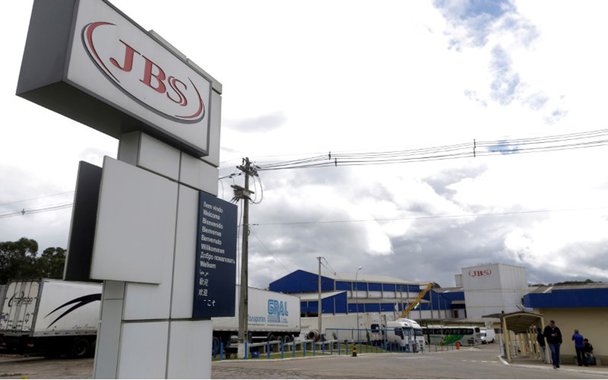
[[348, 293], [364, 293], [482, 290]]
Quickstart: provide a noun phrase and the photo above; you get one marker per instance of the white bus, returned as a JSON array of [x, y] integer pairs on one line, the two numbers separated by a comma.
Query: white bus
[[449, 335], [405, 333]]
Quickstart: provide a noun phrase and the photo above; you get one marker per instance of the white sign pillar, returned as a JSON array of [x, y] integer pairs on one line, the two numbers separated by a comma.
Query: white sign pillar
[[150, 322], [90, 62]]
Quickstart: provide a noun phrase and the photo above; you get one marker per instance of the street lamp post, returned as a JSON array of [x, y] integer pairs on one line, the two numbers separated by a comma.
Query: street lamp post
[[357, 302]]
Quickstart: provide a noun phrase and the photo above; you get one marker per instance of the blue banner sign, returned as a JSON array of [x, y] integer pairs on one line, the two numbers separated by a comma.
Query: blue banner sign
[[215, 267]]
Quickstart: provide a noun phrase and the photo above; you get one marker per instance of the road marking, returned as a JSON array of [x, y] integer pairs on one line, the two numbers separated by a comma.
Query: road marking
[[479, 361]]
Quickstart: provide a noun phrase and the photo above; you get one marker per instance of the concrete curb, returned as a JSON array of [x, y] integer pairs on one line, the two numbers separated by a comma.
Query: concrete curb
[[548, 367]]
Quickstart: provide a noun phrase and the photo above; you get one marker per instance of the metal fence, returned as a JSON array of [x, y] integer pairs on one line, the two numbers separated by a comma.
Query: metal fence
[[340, 342], [278, 349], [374, 338]]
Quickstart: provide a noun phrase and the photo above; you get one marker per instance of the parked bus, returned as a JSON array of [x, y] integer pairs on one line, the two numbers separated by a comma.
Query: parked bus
[[449, 335]]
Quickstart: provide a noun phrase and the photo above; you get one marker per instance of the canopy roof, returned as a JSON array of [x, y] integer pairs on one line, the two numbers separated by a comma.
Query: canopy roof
[[519, 322]]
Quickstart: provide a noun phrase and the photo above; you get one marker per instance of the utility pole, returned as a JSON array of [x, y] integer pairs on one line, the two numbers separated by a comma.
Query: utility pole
[[245, 194], [357, 302], [320, 303]]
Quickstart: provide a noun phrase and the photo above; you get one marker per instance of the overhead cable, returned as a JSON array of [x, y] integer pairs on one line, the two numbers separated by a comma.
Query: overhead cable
[[472, 149]]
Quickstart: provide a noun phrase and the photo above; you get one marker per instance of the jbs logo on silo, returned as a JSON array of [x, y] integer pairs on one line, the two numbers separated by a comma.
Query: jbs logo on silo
[[277, 311], [480, 272], [139, 75]]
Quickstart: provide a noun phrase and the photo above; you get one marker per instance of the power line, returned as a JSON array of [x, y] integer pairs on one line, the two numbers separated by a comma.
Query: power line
[[24, 211], [473, 149], [267, 250], [37, 198], [329, 267], [506, 213], [256, 180], [579, 140]]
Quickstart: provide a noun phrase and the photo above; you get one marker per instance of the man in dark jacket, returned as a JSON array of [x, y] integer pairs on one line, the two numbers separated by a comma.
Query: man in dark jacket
[[554, 339]]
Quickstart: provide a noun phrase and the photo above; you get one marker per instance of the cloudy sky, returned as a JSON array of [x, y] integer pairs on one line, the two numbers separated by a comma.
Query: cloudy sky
[[305, 78]]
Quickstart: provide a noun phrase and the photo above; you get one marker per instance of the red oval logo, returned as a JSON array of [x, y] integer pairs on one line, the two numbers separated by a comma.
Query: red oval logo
[[480, 272], [140, 77]]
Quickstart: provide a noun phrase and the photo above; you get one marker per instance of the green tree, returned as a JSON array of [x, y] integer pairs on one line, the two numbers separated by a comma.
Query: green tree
[[576, 282], [50, 263], [17, 259]]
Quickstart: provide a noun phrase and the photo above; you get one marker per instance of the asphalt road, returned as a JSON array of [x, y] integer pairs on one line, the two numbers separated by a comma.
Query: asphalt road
[[467, 363]]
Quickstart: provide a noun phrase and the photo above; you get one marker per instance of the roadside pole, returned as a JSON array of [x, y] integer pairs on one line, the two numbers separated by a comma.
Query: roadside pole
[[244, 193]]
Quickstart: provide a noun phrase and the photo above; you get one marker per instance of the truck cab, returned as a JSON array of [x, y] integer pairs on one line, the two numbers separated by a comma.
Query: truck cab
[[406, 333]]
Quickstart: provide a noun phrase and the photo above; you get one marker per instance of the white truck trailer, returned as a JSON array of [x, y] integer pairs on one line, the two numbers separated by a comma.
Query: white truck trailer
[[55, 317], [353, 327], [51, 317], [272, 316]]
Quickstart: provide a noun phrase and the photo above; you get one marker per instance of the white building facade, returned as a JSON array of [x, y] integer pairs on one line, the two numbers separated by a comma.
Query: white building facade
[[493, 288]]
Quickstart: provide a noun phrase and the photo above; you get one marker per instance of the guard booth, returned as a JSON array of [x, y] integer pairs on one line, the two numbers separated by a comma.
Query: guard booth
[[518, 334]]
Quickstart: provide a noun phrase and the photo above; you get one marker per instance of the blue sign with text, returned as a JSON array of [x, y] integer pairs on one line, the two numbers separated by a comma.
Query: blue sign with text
[[215, 267]]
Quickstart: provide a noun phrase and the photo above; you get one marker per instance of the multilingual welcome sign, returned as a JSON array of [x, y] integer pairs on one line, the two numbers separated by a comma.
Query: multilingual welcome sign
[[215, 267]]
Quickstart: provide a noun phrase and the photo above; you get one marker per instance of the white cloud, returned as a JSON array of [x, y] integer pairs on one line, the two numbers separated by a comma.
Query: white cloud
[[565, 242], [316, 76]]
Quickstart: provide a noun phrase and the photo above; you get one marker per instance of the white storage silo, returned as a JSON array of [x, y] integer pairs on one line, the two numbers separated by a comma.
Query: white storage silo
[[493, 288]]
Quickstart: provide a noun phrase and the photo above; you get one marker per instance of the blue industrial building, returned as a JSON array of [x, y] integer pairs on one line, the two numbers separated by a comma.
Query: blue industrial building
[[583, 307], [567, 297], [352, 293]]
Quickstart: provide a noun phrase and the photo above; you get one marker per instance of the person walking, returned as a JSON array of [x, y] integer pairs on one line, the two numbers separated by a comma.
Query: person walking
[[579, 345], [540, 338], [554, 339]]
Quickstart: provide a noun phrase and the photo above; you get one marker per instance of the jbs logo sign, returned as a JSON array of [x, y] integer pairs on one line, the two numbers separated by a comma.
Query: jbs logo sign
[[111, 74], [480, 272], [140, 76]]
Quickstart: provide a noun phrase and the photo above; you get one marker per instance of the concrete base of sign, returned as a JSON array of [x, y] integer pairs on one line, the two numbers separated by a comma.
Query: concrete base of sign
[[146, 329], [241, 351]]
